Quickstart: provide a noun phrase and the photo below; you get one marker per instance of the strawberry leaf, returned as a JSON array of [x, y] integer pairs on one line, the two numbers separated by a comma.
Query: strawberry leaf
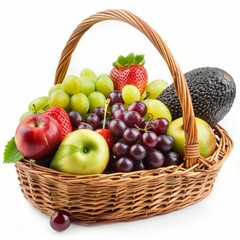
[[130, 58], [11, 153], [122, 60], [139, 59]]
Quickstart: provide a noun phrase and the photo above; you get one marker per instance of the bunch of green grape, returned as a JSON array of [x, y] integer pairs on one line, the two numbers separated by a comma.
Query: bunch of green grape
[[79, 93]]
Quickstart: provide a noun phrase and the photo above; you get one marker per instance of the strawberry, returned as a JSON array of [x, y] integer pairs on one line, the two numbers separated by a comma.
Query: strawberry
[[62, 118], [129, 70]]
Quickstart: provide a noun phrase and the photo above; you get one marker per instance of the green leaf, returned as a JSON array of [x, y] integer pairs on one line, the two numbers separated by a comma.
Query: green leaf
[[122, 60], [130, 58], [11, 153], [139, 59]]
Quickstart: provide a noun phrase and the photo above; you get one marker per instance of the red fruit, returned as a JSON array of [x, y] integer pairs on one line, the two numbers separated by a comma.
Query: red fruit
[[61, 116], [38, 136], [107, 135], [129, 70], [105, 132], [60, 220]]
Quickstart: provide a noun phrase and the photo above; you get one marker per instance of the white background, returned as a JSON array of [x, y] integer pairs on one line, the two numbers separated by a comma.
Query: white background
[[33, 34]]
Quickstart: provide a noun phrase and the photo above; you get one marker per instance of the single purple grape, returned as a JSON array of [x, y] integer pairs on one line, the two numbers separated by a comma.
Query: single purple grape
[[124, 164], [75, 119], [132, 119], [160, 125], [93, 120], [132, 135], [120, 149], [60, 220], [139, 107], [165, 143], [116, 106], [149, 139], [171, 158], [155, 158], [119, 114], [99, 111], [117, 127], [115, 96], [137, 152]]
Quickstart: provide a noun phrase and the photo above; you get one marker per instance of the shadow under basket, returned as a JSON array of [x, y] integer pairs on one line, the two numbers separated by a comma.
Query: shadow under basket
[[127, 196]]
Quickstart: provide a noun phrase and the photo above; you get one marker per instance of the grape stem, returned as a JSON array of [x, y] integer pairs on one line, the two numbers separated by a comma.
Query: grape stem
[[147, 95], [105, 112], [150, 121]]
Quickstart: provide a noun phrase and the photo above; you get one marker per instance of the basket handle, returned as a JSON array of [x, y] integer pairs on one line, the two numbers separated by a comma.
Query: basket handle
[[191, 152]]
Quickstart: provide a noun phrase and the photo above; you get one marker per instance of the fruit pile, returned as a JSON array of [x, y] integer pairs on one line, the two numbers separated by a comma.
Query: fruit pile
[[91, 124]]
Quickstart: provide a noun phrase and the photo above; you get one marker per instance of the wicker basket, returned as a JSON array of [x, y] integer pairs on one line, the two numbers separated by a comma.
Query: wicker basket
[[127, 196]]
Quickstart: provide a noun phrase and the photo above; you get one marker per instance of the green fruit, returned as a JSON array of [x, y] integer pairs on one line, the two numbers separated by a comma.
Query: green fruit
[[54, 88], [87, 85], [81, 152], [59, 98], [130, 94], [155, 88], [104, 85], [156, 109], [212, 91], [87, 72], [79, 102], [96, 99], [71, 84], [206, 137], [38, 104]]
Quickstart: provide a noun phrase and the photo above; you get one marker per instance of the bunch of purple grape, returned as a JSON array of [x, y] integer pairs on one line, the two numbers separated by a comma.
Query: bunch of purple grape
[[139, 144]]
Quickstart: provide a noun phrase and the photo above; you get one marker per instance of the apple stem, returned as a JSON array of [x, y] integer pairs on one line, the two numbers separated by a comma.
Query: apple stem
[[45, 107], [35, 110], [105, 112]]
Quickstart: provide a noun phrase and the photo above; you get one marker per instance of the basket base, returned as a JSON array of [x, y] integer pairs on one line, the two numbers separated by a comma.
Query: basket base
[[144, 203]]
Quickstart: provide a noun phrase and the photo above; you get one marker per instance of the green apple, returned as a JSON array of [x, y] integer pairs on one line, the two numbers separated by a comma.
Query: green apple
[[82, 152], [206, 137]]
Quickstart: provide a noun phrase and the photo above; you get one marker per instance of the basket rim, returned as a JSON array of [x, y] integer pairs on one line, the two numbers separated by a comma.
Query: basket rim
[[216, 160]]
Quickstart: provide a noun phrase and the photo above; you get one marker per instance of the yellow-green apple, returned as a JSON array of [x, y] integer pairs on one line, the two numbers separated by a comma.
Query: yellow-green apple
[[38, 136], [82, 152], [206, 137]]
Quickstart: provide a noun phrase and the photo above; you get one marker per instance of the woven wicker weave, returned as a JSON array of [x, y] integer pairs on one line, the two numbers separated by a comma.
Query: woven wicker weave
[[127, 196]]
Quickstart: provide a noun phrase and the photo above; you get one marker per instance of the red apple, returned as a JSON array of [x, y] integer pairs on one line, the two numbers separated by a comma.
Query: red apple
[[107, 135], [38, 136]]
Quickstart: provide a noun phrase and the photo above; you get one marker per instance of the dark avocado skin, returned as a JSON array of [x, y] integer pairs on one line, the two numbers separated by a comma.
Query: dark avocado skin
[[212, 91]]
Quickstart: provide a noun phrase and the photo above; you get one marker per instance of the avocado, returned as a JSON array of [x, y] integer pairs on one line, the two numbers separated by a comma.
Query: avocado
[[212, 91]]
